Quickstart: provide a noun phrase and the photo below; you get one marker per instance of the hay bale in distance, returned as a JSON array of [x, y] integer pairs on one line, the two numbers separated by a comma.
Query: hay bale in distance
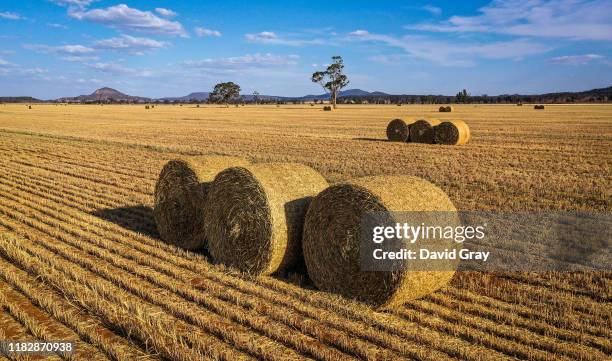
[[422, 131], [180, 198], [332, 243], [453, 132], [538, 107], [255, 214], [445, 109], [327, 108], [398, 131]]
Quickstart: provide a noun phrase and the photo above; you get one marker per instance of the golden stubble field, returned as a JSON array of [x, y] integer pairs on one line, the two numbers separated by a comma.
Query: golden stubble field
[[80, 258]]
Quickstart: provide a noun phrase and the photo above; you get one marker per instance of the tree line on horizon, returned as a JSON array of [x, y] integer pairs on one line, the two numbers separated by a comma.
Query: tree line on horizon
[[333, 80]]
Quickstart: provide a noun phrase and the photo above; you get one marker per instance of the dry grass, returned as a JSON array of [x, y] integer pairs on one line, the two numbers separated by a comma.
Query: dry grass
[[81, 256]]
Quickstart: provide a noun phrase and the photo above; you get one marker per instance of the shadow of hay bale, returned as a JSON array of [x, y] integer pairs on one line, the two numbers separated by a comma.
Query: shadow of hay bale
[[137, 218], [297, 273], [373, 139]]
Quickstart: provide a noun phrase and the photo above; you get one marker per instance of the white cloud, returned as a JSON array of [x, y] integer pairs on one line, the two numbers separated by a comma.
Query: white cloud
[[571, 19], [12, 70], [576, 59], [80, 58], [130, 44], [122, 17], [109, 67], [74, 3], [63, 49], [10, 16], [359, 33], [433, 10], [264, 35], [388, 59], [452, 53], [57, 26], [270, 37], [165, 12], [33, 71], [118, 69], [4, 62], [201, 32], [242, 63], [88, 81]]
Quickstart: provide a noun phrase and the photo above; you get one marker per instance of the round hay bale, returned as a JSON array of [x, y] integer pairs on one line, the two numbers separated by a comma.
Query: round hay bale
[[180, 196], [327, 108], [539, 107], [398, 131], [422, 131], [255, 214], [453, 132], [442, 109], [449, 108], [331, 242]]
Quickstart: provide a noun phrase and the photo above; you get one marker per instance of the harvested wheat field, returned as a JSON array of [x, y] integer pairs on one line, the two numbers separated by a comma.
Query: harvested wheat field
[[81, 259]]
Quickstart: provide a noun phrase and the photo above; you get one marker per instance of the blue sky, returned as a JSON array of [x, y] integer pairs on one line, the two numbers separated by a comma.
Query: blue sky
[[54, 48]]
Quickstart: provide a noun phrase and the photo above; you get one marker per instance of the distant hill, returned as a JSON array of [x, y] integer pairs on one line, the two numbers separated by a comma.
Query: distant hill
[[19, 100], [197, 96], [342, 93], [104, 95], [203, 96]]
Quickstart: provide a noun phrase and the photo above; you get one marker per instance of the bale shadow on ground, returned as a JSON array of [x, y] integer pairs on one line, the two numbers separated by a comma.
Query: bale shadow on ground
[[373, 139], [138, 218]]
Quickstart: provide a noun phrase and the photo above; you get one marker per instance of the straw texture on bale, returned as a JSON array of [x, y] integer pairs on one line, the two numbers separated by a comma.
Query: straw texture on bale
[[255, 215], [422, 131], [398, 131], [180, 198], [332, 244], [453, 132]]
